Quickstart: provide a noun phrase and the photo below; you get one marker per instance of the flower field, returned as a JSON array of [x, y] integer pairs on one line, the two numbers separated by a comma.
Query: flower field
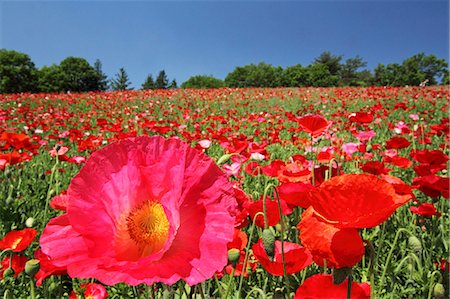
[[226, 193]]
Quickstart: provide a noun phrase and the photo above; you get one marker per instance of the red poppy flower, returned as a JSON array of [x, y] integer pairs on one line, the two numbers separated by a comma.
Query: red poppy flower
[[313, 124], [59, 202], [338, 247], [425, 209], [321, 286], [18, 264], [356, 200], [375, 167], [397, 143], [241, 213], [18, 240], [361, 117], [296, 258], [294, 172], [273, 168], [239, 241], [432, 157], [295, 193], [399, 161], [273, 215], [433, 185], [46, 268]]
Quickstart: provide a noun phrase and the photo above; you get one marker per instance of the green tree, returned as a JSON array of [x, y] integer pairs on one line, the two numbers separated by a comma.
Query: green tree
[[349, 74], [17, 72], [121, 82], [255, 75], [50, 79], [102, 78], [332, 62], [173, 84], [149, 83], [295, 76], [203, 81], [319, 75], [446, 78], [162, 81], [420, 68], [78, 75]]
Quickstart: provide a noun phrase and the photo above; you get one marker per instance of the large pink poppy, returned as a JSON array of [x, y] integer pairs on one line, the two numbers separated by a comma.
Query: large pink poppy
[[144, 210]]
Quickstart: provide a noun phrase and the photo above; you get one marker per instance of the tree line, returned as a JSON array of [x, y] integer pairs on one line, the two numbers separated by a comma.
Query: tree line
[[19, 74]]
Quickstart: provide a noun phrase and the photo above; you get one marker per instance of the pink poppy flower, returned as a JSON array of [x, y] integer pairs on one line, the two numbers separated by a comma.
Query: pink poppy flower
[[144, 210]]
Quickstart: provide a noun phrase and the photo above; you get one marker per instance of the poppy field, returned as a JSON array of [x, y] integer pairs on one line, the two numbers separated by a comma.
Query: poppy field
[[226, 193]]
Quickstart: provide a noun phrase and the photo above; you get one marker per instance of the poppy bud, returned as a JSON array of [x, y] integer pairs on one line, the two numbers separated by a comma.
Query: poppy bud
[[29, 222], [32, 267], [268, 239], [223, 159], [439, 291], [8, 273], [415, 244], [233, 256]]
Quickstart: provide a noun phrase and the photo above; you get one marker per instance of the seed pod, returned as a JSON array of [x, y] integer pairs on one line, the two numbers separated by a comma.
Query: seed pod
[[268, 239], [415, 244], [32, 267], [233, 256], [439, 291]]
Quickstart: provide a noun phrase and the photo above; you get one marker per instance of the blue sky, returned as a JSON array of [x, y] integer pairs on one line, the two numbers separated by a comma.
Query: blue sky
[[188, 38]]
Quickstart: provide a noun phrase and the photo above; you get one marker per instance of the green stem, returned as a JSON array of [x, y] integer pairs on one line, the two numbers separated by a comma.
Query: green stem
[[32, 291], [230, 282]]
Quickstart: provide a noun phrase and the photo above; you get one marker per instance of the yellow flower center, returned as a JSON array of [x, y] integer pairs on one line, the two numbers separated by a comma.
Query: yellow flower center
[[148, 226], [15, 243]]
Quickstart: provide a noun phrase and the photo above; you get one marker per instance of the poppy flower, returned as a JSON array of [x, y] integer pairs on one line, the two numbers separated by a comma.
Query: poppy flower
[[144, 210], [18, 240], [295, 193], [397, 143], [361, 117], [356, 200], [91, 291], [321, 286], [433, 185], [338, 247], [296, 258], [313, 124], [17, 264], [374, 167], [425, 209]]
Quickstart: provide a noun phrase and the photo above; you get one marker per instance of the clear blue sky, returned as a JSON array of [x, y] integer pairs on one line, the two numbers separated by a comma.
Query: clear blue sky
[[213, 37]]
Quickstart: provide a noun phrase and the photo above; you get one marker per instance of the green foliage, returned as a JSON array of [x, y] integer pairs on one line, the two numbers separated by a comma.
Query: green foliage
[[162, 81], [149, 83], [332, 62], [349, 75], [121, 82], [50, 79], [17, 72], [295, 76], [102, 78], [320, 75], [78, 75], [203, 81], [255, 75], [173, 84]]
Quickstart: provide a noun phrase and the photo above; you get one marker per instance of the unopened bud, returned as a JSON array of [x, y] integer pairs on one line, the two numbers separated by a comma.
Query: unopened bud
[[233, 256], [439, 291], [268, 239], [8, 273], [32, 267], [29, 222], [223, 159], [415, 244]]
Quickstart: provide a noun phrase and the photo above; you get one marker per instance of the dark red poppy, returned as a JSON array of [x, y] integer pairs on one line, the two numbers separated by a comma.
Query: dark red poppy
[[18, 264], [321, 286], [295, 193], [356, 200], [375, 167], [338, 247], [18, 240], [361, 117], [273, 215], [431, 157], [397, 143], [425, 209], [296, 258], [399, 161], [313, 124], [433, 185], [253, 168], [241, 212]]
